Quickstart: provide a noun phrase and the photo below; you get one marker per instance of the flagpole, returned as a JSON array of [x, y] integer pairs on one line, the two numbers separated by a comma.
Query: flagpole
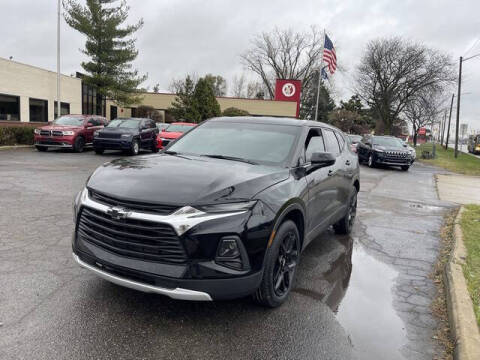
[[58, 60], [320, 75]]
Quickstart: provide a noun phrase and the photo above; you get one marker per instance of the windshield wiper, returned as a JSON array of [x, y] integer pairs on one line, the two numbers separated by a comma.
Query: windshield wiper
[[233, 158]]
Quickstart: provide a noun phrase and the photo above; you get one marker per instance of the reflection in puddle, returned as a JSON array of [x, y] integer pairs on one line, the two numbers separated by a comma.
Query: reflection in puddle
[[367, 314]]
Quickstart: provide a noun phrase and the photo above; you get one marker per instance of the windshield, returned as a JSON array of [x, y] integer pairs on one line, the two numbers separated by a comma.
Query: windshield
[[259, 143], [178, 128], [69, 120], [124, 123], [388, 142]]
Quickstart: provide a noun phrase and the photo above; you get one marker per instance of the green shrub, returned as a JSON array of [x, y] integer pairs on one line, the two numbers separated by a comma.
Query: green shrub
[[233, 111], [13, 135]]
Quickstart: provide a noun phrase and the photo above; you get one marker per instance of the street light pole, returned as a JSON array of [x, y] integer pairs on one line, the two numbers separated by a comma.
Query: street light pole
[[58, 59]]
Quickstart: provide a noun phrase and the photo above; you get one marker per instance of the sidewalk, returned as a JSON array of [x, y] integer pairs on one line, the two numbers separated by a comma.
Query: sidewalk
[[460, 189]]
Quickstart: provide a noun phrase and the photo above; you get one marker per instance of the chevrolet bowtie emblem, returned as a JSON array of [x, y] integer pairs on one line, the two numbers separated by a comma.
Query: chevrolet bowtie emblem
[[117, 213]]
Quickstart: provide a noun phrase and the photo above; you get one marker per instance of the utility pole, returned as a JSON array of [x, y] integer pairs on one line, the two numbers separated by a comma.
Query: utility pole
[[449, 121], [458, 105], [58, 59], [443, 127]]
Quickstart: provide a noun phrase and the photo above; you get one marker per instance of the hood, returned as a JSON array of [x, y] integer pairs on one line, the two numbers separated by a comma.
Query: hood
[[119, 130], [170, 134], [179, 180], [61, 127], [391, 148]]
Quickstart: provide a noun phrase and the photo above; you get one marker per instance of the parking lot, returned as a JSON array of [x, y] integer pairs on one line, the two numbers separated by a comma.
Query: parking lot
[[366, 296]]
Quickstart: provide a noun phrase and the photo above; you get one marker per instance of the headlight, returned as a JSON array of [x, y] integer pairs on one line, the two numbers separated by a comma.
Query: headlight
[[68, 133], [227, 207], [126, 135], [36, 131]]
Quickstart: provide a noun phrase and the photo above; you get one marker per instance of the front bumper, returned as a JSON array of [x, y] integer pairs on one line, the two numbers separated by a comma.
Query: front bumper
[[112, 144], [54, 141], [389, 161], [198, 273]]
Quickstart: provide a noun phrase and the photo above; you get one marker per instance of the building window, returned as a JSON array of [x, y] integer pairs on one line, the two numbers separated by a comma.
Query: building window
[[9, 107], [38, 110], [64, 109], [92, 102], [113, 112], [134, 112]]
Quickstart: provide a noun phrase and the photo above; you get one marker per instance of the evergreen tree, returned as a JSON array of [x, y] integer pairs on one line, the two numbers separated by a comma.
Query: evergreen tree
[[109, 46], [182, 108], [205, 104]]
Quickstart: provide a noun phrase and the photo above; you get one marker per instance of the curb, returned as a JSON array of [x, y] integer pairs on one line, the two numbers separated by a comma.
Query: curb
[[460, 308], [13, 147]]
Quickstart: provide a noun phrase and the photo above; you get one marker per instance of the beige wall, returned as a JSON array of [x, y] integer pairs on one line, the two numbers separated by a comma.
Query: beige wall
[[31, 82], [163, 101]]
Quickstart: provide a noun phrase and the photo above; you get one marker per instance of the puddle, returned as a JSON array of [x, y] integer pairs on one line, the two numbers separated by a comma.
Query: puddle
[[366, 312]]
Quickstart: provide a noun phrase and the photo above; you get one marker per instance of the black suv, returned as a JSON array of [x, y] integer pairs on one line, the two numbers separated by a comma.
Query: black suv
[[223, 212], [384, 150], [129, 134]]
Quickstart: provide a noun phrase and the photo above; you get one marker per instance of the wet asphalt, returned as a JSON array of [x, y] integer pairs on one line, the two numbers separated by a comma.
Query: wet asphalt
[[365, 296]]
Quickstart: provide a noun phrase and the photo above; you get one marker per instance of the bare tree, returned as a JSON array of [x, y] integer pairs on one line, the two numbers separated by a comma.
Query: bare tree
[[393, 71], [284, 54], [238, 86], [256, 90], [423, 110]]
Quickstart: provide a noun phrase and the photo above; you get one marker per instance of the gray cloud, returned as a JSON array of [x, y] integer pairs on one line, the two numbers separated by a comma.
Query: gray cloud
[[193, 36]]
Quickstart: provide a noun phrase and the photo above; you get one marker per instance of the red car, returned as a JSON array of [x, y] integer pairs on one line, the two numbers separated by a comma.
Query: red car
[[69, 132], [172, 132]]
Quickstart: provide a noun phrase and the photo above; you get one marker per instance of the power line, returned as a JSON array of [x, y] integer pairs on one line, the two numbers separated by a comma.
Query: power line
[[471, 47]]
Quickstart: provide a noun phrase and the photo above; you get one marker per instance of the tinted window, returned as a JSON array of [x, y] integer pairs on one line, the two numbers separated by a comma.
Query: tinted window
[[38, 110], [9, 107], [331, 142], [261, 143]]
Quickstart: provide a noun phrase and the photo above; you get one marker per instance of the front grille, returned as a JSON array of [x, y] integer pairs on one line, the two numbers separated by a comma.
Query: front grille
[[137, 239], [396, 156], [161, 209], [49, 142], [110, 136], [45, 132], [57, 133]]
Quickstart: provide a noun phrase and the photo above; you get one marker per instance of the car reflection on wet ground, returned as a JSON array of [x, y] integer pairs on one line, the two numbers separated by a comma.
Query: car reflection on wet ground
[[364, 297]]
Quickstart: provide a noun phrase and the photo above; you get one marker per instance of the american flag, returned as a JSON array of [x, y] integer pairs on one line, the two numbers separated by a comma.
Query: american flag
[[329, 55]]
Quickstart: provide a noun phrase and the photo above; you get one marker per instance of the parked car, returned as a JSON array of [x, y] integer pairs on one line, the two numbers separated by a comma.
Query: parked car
[[384, 150], [354, 140], [172, 132], [68, 132], [224, 212], [129, 135], [474, 144]]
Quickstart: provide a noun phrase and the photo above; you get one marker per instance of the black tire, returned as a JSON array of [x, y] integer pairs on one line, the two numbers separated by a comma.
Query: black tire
[[79, 144], [41, 148], [371, 162], [344, 225], [135, 147], [405, 167], [154, 146], [99, 151], [280, 266]]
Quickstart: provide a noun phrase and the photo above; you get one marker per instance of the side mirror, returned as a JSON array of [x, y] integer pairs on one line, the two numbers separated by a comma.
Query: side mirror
[[89, 124], [322, 159]]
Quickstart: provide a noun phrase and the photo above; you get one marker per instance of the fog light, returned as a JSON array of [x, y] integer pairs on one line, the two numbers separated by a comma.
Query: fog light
[[231, 253], [228, 248]]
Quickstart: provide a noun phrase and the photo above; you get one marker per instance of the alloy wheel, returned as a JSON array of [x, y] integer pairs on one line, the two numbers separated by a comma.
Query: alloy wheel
[[284, 270]]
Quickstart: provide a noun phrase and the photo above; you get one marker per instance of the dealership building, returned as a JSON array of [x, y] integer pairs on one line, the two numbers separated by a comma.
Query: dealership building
[[28, 95]]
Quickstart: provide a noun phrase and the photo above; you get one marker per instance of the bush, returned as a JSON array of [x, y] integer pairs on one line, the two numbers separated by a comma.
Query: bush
[[233, 111], [12, 135]]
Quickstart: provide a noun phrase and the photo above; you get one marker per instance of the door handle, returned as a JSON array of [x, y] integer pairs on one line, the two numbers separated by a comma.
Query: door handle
[[347, 162]]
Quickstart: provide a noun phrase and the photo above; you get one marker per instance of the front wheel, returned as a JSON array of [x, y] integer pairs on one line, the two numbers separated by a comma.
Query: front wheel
[[280, 266], [371, 162], [135, 147], [344, 225], [79, 144], [41, 148]]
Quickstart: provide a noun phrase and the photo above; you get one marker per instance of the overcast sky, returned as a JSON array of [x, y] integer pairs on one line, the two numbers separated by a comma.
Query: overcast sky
[[207, 36]]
